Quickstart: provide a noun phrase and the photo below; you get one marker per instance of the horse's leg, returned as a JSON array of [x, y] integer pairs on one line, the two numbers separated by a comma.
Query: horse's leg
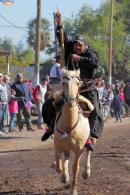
[[65, 173], [58, 159], [75, 173], [86, 169]]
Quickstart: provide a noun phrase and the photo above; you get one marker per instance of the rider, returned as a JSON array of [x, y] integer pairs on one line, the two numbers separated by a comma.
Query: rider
[[79, 54]]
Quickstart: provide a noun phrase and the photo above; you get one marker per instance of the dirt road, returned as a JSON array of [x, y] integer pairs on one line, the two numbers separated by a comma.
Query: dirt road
[[25, 164]]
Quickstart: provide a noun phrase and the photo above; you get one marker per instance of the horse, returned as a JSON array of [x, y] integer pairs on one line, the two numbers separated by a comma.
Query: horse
[[71, 131]]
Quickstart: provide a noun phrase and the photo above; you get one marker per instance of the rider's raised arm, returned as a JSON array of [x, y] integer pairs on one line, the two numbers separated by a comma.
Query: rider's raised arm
[[59, 30]]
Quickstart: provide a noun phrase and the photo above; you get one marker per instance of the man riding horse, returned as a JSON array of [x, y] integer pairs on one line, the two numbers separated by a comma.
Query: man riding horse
[[80, 55]]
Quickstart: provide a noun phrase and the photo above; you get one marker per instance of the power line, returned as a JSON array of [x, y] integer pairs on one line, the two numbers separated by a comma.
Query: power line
[[12, 24], [46, 13], [5, 26]]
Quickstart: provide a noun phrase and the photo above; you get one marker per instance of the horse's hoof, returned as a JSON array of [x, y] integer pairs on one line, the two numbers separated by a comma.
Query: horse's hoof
[[53, 165], [75, 192], [68, 186], [85, 175], [64, 178]]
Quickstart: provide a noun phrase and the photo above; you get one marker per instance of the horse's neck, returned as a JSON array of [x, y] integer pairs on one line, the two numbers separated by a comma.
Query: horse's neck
[[69, 116]]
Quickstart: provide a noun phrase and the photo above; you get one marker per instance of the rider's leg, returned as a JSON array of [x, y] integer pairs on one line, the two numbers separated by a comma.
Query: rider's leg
[[47, 134], [48, 114], [51, 111], [95, 121]]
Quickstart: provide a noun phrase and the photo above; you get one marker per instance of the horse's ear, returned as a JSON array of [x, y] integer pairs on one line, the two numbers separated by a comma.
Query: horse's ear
[[78, 72]]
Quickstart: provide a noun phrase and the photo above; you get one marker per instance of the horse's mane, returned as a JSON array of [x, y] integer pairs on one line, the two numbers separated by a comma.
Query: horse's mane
[[58, 92], [70, 73]]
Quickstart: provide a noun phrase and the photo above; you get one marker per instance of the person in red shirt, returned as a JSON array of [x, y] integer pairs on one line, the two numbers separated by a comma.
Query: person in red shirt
[[121, 94]]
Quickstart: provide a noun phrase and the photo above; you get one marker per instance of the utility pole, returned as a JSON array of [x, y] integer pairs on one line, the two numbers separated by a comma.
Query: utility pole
[[38, 41], [6, 54], [110, 41], [7, 62]]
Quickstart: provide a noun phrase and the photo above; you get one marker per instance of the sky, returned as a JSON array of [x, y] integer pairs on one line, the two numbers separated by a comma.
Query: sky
[[23, 10]]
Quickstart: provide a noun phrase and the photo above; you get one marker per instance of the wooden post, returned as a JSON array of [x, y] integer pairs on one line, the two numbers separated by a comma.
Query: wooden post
[[7, 62], [38, 41], [110, 42], [56, 43], [62, 48]]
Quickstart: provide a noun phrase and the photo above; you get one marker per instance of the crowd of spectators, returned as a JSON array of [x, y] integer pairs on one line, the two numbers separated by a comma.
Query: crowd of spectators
[[18, 98], [117, 96], [16, 101]]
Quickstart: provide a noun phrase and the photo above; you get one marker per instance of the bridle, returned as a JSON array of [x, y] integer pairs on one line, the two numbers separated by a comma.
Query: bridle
[[66, 131], [70, 101]]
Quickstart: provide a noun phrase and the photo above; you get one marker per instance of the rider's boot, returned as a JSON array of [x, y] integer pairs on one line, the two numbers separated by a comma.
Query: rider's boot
[[90, 143], [47, 134]]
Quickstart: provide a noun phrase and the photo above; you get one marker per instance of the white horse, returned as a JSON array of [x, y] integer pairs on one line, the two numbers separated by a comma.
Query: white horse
[[71, 130]]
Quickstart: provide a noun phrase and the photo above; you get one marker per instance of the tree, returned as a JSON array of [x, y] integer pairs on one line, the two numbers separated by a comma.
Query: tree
[[19, 48], [7, 45], [94, 25], [45, 33]]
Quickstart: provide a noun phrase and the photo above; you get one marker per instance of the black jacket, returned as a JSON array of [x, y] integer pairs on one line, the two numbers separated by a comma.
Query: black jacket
[[88, 62], [22, 90]]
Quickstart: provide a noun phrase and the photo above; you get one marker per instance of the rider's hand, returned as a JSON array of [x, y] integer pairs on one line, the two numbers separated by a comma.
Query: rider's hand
[[75, 57], [58, 18]]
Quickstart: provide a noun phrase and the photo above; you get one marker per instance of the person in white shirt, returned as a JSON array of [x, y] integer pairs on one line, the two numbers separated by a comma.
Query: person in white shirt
[[39, 98], [55, 72], [3, 104], [100, 89]]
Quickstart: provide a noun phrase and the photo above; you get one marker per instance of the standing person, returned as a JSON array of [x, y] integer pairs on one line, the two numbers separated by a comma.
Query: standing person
[[124, 105], [55, 72], [13, 109], [127, 93], [39, 98], [55, 76], [29, 82], [117, 105], [22, 90], [79, 54], [3, 104], [6, 80], [100, 89]]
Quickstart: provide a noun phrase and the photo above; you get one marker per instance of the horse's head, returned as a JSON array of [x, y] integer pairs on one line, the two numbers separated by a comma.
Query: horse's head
[[70, 86]]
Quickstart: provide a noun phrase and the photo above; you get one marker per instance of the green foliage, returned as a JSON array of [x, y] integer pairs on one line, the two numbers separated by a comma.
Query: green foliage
[[45, 34], [45, 67], [6, 45], [94, 25], [19, 56]]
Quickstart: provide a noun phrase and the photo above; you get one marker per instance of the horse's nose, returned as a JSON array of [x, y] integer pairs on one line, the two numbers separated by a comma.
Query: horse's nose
[[70, 99]]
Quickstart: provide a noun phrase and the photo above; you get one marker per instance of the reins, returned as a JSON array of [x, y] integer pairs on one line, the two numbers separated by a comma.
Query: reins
[[67, 131]]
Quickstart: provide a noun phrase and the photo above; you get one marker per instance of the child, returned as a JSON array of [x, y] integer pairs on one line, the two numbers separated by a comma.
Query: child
[[13, 109], [117, 105]]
